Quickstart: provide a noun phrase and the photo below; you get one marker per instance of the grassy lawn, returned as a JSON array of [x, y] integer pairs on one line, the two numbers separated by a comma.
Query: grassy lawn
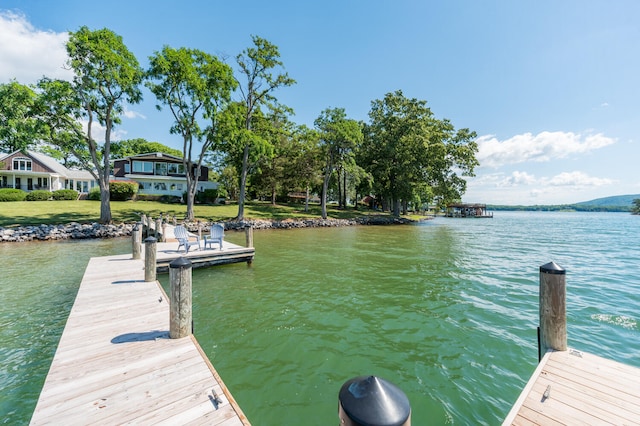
[[23, 213]]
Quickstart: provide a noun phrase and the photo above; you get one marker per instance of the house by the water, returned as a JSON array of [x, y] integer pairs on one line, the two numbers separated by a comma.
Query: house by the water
[[30, 171], [159, 174], [156, 174], [468, 210]]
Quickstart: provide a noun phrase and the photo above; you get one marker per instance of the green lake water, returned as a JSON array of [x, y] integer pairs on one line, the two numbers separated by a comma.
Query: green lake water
[[447, 310]]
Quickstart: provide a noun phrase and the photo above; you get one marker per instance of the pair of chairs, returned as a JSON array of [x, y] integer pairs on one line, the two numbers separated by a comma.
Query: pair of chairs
[[186, 240]]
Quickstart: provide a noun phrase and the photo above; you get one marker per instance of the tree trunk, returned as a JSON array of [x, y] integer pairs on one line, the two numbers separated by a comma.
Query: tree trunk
[[273, 196], [339, 188], [325, 188], [344, 188], [105, 203], [306, 200], [243, 183], [396, 207]]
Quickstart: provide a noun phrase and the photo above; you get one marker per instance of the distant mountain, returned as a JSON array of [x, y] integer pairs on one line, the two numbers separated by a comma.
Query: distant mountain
[[618, 200], [618, 203]]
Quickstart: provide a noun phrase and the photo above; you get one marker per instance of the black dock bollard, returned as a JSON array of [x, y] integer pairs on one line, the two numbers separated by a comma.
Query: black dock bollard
[[372, 401]]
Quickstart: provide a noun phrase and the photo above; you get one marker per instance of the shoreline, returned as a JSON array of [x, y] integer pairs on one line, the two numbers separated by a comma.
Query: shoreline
[[78, 231]]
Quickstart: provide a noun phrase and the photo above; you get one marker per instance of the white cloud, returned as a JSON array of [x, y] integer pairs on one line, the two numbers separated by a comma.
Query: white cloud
[[133, 114], [577, 180], [97, 132], [545, 146], [27, 53], [518, 178]]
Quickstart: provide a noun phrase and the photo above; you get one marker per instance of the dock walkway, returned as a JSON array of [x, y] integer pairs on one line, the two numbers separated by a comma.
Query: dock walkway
[[572, 387], [115, 362]]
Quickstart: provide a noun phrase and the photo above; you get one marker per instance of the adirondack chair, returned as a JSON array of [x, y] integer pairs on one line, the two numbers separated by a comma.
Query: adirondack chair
[[215, 235], [184, 239]]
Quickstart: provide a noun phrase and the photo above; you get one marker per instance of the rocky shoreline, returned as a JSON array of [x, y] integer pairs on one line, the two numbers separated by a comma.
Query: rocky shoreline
[[78, 231]]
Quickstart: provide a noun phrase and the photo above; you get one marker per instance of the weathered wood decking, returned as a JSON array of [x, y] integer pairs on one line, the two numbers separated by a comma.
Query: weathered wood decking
[[571, 388], [115, 363]]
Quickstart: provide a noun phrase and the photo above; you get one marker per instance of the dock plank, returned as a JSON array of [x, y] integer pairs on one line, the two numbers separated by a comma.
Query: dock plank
[[582, 389], [116, 364]]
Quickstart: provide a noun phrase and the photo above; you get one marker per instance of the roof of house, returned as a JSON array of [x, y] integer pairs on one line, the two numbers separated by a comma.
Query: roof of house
[[53, 165]]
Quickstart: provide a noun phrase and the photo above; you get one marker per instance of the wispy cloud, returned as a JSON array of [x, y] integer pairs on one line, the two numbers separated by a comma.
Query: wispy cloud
[[28, 53], [544, 146], [133, 114], [577, 180]]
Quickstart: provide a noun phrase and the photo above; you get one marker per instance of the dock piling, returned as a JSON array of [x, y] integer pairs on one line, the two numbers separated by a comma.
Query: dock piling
[[248, 232], [150, 248], [553, 309], [136, 241], [180, 319]]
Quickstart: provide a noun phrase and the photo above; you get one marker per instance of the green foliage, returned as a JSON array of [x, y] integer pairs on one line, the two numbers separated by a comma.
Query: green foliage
[[208, 196], [636, 206], [122, 191], [19, 129], [107, 75], [65, 194], [196, 86], [39, 195], [10, 194], [130, 147], [94, 194]]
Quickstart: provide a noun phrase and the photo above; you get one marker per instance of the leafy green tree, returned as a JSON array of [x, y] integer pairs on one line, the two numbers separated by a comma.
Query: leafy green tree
[[339, 137], [19, 130], [58, 109], [129, 147], [257, 64], [636, 206], [304, 170], [196, 87], [107, 75], [407, 151]]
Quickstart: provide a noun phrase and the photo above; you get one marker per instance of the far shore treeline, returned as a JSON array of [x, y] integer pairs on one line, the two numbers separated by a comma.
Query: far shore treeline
[[403, 158]]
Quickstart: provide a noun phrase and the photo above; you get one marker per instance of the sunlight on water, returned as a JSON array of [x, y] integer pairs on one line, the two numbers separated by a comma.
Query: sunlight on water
[[447, 310]]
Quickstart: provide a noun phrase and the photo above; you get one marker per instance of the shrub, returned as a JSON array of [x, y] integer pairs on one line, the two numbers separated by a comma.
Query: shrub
[[94, 194], [208, 196], [10, 194], [39, 195], [122, 191], [65, 194]]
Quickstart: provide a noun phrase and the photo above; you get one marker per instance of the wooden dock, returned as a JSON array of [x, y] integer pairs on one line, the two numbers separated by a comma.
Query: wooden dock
[[115, 362], [572, 387]]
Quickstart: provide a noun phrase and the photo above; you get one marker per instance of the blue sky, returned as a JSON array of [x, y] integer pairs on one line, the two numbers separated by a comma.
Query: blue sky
[[550, 87]]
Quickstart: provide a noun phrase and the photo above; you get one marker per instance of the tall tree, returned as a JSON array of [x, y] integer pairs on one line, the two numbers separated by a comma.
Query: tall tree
[[339, 136], [107, 75], [129, 147], [196, 87], [19, 130], [257, 64], [406, 148]]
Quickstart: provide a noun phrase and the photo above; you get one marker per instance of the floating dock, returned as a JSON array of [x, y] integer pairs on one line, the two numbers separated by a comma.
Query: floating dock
[[572, 388], [115, 362]]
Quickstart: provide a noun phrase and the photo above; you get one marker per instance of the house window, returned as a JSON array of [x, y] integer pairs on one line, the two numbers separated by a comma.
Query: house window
[[160, 186], [161, 169], [20, 163], [176, 169], [127, 168], [179, 187], [142, 167]]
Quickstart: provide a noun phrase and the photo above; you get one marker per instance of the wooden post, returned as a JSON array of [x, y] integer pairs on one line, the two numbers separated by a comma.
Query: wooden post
[[159, 229], [143, 222], [248, 233], [150, 245], [149, 222], [181, 307], [553, 309], [200, 230], [164, 232], [136, 241]]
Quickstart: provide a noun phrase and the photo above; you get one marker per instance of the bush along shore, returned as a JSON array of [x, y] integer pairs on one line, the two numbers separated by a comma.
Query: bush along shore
[[79, 231]]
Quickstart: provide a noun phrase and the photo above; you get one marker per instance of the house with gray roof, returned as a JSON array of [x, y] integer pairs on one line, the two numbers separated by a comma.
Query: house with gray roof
[[30, 171]]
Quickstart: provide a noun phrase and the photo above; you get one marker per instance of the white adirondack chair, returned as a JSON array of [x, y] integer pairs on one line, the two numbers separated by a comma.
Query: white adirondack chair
[[216, 235], [185, 239]]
